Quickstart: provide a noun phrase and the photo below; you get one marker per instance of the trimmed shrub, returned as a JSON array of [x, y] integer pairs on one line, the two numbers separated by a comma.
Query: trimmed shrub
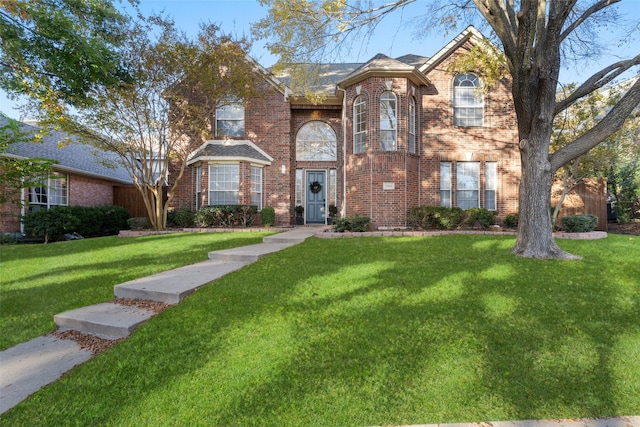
[[429, 217], [511, 220], [225, 216], [480, 215], [138, 223], [352, 223], [100, 220], [50, 224], [579, 223], [114, 219], [181, 218], [268, 216]]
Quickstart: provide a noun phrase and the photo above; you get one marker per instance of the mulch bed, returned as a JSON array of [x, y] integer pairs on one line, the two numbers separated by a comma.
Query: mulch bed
[[632, 228]]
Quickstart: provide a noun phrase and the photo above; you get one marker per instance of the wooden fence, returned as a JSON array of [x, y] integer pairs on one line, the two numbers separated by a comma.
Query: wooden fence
[[131, 199], [588, 197]]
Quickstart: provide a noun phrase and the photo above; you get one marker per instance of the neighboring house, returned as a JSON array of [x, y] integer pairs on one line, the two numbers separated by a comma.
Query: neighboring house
[[83, 175], [390, 134]]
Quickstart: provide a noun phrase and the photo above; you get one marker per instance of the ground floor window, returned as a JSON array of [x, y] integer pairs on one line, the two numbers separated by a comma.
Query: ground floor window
[[256, 186], [53, 191], [468, 185], [491, 184], [465, 185], [224, 183], [198, 187]]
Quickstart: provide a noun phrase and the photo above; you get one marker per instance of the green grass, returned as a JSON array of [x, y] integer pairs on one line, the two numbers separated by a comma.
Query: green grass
[[376, 331], [38, 281]]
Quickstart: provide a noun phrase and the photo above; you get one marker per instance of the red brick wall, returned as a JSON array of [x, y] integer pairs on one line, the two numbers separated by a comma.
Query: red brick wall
[[84, 191]]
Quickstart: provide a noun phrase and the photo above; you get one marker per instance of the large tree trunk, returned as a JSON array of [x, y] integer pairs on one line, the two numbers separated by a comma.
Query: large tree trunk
[[535, 231]]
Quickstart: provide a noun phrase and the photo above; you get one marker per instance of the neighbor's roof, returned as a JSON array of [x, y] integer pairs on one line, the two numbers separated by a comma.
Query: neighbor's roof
[[75, 157]]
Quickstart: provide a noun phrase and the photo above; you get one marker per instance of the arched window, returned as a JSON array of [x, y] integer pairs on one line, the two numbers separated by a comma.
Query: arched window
[[388, 121], [468, 102], [412, 125], [359, 124], [316, 141]]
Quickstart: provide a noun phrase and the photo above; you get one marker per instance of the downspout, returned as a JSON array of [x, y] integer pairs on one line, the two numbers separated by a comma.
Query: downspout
[[343, 211]]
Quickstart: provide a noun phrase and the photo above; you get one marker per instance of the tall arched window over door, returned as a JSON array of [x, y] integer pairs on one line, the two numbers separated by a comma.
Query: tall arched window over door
[[316, 141], [388, 121], [468, 101]]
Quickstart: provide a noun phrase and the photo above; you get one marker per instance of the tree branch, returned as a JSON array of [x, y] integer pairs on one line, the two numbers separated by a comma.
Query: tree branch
[[610, 124], [596, 81], [596, 7]]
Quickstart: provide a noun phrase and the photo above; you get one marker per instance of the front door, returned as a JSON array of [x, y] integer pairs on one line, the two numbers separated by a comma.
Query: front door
[[316, 197]]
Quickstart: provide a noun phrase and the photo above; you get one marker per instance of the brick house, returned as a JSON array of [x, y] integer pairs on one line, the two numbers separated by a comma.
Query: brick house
[[389, 135], [82, 176]]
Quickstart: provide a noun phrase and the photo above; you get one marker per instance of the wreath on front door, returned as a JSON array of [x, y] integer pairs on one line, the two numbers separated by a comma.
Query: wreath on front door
[[315, 187]]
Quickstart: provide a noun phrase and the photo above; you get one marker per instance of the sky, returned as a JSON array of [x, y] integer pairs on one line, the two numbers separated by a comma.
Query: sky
[[394, 37]]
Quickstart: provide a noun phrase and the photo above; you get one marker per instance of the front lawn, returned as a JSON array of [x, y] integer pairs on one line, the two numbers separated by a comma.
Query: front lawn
[[38, 281], [376, 331]]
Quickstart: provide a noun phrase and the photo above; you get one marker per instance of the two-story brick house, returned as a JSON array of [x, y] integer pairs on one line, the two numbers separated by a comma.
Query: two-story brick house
[[390, 134]]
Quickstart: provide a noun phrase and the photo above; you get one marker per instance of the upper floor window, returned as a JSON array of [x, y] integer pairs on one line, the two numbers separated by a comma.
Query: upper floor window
[[412, 125], [468, 101], [230, 120], [359, 124], [52, 192], [316, 141], [388, 121]]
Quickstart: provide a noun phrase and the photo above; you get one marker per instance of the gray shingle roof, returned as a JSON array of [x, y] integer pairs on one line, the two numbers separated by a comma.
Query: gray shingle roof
[[232, 149], [75, 157]]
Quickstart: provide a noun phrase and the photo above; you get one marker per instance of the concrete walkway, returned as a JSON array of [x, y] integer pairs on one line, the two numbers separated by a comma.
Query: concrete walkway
[[27, 367]]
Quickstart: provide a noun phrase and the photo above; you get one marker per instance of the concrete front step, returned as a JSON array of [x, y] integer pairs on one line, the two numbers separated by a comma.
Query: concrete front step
[[106, 320], [249, 254], [171, 287]]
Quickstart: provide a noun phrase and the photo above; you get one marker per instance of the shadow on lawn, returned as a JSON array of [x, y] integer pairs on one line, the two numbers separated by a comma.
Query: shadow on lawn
[[34, 297], [394, 331]]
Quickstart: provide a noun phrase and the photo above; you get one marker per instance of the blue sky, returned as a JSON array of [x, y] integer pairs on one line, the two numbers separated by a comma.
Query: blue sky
[[394, 37]]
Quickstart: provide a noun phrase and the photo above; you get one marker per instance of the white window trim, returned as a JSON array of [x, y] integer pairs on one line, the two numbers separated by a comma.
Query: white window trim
[[360, 101], [212, 187]]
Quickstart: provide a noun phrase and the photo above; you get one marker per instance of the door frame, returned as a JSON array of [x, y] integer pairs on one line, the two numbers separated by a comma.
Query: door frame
[[323, 191]]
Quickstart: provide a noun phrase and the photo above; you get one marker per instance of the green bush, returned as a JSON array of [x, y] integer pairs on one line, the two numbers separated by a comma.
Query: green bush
[[268, 216], [579, 223], [225, 216], [428, 217], [511, 220], [352, 223], [480, 215], [50, 224], [138, 223], [181, 218], [100, 220]]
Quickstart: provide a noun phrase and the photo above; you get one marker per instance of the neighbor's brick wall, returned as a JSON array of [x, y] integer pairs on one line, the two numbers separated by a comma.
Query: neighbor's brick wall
[[85, 191]]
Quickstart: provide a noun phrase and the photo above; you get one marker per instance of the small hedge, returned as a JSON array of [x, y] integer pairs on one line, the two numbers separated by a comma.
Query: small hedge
[[511, 220], [138, 223], [442, 218], [351, 223], [579, 223], [268, 216], [87, 221], [225, 216], [182, 218], [50, 224]]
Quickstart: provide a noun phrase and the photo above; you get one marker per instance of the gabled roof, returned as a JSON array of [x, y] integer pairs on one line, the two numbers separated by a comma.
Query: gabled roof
[[382, 65], [75, 157], [230, 150], [469, 33]]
